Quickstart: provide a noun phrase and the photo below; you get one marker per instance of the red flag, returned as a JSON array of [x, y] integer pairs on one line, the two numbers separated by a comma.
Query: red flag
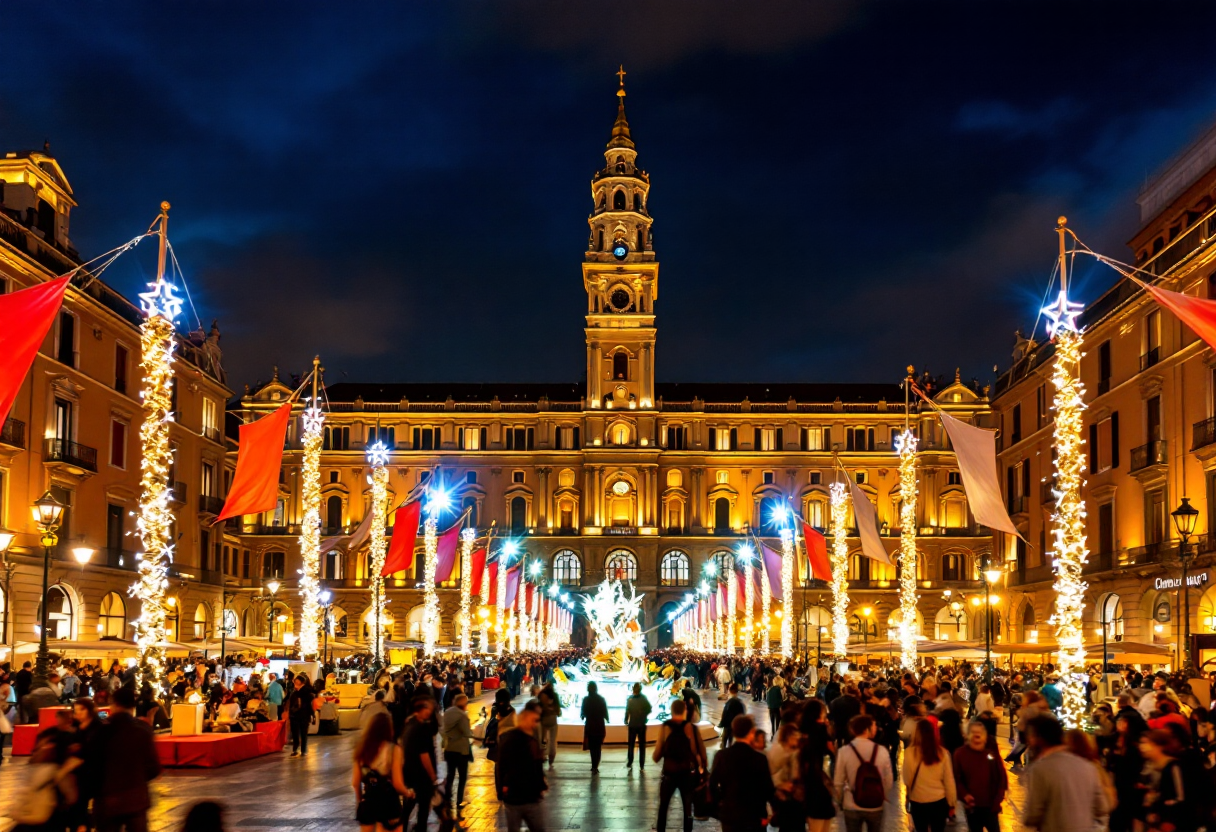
[[255, 485], [493, 599], [445, 553], [741, 590], [529, 590], [1197, 313], [478, 565], [25, 319], [817, 553], [400, 555]]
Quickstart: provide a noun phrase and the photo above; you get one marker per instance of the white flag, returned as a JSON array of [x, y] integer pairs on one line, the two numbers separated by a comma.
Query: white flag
[[976, 452], [867, 526]]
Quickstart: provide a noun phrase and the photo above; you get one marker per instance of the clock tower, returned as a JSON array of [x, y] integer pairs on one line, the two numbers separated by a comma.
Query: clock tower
[[621, 277]]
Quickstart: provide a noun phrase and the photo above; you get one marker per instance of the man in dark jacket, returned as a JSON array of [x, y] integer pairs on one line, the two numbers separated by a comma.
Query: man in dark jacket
[[842, 709], [734, 707], [980, 779], [523, 774], [740, 781], [298, 713], [127, 761], [637, 710]]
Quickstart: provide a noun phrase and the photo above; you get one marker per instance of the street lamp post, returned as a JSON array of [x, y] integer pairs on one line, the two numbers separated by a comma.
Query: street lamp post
[[1185, 517], [47, 513], [991, 576], [225, 597], [272, 587]]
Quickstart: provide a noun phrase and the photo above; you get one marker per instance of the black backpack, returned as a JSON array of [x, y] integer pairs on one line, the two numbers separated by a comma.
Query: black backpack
[[678, 755]]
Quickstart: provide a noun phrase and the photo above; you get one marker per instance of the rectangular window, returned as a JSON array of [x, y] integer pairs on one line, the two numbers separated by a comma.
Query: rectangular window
[[207, 483], [424, 439], [734, 439], [1104, 367], [860, 477], [245, 564], [816, 478], [675, 437], [815, 514], [470, 439], [63, 420], [816, 439], [337, 439], [722, 477], [1152, 339], [115, 521], [118, 444], [65, 348], [767, 439], [1040, 406], [210, 417], [768, 477], [721, 438], [1015, 434], [517, 476], [1153, 419], [471, 478], [1106, 528], [954, 478], [1156, 520], [121, 359], [1104, 445]]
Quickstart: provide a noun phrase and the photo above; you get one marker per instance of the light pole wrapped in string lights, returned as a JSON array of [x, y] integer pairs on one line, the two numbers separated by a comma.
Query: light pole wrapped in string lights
[[1068, 521], [466, 588], [905, 446], [310, 529], [377, 457], [436, 501], [747, 557], [840, 569], [787, 581], [154, 522], [509, 549]]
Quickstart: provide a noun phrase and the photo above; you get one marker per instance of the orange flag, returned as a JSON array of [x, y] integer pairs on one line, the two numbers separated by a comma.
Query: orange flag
[[25, 318], [255, 485]]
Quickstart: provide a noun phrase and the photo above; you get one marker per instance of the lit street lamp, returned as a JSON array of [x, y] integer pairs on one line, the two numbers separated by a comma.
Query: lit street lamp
[[1185, 517], [47, 513]]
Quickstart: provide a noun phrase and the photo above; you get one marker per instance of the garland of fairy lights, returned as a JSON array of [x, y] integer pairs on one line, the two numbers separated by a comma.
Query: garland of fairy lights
[[787, 592], [154, 521], [766, 603], [749, 599], [485, 596], [1068, 524], [377, 455], [905, 446], [732, 608], [310, 531], [840, 569], [500, 616], [466, 589], [430, 600]]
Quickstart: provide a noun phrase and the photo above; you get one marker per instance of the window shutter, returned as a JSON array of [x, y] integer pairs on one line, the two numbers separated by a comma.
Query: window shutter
[[870, 439], [576, 445], [827, 439], [848, 439], [1114, 439], [804, 439], [531, 439], [1093, 449], [460, 438], [1026, 478], [780, 446], [713, 439], [734, 439], [483, 439], [1009, 486]]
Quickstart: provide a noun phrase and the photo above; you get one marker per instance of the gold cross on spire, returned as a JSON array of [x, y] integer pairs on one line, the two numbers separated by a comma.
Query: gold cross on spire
[[621, 74]]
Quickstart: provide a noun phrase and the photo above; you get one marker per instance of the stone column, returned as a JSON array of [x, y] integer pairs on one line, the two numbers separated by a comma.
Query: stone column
[[694, 498]]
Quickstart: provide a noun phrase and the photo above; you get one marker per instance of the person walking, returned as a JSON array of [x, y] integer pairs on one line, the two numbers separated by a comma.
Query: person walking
[[774, 698], [929, 776], [595, 724], [550, 710], [740, 782], [457, 748], [682, 752], [523, 772], [723, 678], [127, 762], [734, 707], [418, 762], [980, 780], [637, 710], [377, 777], [298, 714], [1064, 793], [863, 777], [815, 747], [274, 697]]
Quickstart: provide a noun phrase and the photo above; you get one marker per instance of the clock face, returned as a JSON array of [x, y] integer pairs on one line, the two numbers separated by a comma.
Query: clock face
[[620, 300], [619, 250]]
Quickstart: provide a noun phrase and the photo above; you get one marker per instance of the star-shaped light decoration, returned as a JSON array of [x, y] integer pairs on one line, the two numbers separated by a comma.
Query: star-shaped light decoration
[[905, 437], [1063, 314], [162, 300], [314, 418], [377, 455]]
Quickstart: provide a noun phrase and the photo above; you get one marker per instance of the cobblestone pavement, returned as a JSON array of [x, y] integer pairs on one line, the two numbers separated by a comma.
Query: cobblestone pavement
[[314, 793]]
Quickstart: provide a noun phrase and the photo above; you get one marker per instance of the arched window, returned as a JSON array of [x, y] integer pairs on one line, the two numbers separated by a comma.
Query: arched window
[[950, 624], [723, 563], [863, 629], [622, 566], [673, 571], [60, 614], [620, 366], [200, 622], [284, 623], [567, 568], [246, 625], [519, 514], [333, 514], [1029, 623], [413, 624], [722, 515], [816, 627], [599, 239], [469, 504], [112, 616], [769, 519], [641, 239], [951, 567], [1108, 613], [618, 201]]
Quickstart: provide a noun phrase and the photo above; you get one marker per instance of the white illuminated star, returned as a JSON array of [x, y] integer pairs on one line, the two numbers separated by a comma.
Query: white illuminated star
[[905, 439], [161, 300], [1063, 314], [314, 419], [377, 455]]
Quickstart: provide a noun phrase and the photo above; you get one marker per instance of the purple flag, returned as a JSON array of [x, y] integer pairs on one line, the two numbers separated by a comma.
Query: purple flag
[[713, 606], [772, 565], [445, 553], [512, 588]]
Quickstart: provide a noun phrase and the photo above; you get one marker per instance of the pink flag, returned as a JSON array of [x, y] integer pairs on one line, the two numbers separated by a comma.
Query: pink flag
[[713, 606], [975, 449], [772, 566], [445, 553], [512, 588], [867, 527]]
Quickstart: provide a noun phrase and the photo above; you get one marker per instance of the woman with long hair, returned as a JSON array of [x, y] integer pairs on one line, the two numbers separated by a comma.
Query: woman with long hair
[[377, 777], [929, 776], [815, 747], [1168, 807], [1125, 764]]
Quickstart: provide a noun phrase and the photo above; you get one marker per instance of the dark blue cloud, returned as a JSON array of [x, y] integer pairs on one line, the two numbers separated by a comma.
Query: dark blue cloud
[[839, 189]]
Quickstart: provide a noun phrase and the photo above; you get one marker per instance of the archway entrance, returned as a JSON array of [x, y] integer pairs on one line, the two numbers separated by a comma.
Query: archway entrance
[[665, 635]]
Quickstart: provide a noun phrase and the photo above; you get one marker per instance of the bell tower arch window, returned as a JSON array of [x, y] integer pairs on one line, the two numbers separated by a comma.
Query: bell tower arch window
[[620, 366], [599, 239], [618, 201]]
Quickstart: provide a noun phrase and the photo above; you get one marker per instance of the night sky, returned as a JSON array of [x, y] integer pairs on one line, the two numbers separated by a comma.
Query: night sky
[[839, 189]]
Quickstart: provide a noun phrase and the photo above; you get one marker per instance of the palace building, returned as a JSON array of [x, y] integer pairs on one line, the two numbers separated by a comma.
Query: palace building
[[624, 475], [74, 430], [1150, 394]]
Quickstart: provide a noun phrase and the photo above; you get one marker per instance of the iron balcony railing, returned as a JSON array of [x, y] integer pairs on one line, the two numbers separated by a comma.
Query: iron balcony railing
[[13, 433], [1148, 454], [1018, 504], [177, 493], [213, 434], [1204, 433], [1150, 358], [71, 453], [210, 504]]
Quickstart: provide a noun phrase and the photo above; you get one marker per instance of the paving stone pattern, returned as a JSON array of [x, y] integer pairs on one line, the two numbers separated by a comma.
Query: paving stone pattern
[[314, 792]]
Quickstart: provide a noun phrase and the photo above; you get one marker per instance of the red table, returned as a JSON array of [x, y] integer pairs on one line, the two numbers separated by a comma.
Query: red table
[[490, 683], [208, 750], [23, 739], [273, 735]]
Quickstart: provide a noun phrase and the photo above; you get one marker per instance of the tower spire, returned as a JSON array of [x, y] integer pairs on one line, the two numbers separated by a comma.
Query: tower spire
[[620, 129]]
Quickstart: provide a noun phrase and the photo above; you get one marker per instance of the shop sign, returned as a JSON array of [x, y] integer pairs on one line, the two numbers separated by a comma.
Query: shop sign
[[1197, 579]]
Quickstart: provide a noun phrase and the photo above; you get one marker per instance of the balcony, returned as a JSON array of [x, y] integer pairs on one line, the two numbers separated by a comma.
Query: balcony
[[1019, 504], [78, 459], [196, 574], [1150, 554], [213, 433], [208, 504], [1150, 358], [1148, 455], [271, 530], [1033, 575], [13, 433], [1203, 434], [119, 559], [177, 492], [1098, 562]]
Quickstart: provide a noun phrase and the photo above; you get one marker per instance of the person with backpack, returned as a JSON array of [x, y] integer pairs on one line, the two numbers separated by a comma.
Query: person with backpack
[[682, 752], [863, 777], [929, 776]]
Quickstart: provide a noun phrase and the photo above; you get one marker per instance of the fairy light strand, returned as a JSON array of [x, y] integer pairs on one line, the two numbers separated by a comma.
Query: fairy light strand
[[732, 609], [466, 589], [840, 569], [749, 602], [766, 605], [313, 421], [787, 592], [430, 601], [378, 547], [905, 446]]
